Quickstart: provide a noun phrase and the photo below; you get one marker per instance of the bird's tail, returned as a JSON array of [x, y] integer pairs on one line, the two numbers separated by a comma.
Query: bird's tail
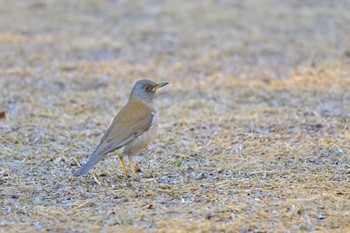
[[87, 166]]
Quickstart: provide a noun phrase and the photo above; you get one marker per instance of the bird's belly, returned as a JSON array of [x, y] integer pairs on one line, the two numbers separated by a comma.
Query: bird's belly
[[141, 142]]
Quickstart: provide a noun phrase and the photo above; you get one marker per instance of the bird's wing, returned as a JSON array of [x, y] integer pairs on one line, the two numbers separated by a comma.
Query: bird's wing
[[131, 121]]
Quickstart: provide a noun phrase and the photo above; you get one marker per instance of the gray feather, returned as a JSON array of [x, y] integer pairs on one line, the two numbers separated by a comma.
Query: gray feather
[[92, 161]]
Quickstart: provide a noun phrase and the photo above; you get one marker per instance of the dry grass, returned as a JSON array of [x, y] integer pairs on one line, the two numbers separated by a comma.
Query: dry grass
[[254, 132]]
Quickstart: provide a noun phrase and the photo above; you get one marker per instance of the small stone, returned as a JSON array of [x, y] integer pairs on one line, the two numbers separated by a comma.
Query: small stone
[[338, 151], [321, 216]]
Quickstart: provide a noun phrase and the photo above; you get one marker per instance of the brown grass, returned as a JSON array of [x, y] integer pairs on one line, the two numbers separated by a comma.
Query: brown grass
[[254, 132]]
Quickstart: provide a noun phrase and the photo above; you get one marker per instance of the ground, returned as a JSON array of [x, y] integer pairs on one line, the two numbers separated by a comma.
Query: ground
[[254, 125]]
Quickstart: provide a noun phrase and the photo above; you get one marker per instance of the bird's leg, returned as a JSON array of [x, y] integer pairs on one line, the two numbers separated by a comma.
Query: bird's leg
[[121, 158], [134, 175]]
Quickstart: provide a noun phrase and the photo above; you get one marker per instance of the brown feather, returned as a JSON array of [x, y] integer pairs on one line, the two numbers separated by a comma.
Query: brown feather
[[133, 119]]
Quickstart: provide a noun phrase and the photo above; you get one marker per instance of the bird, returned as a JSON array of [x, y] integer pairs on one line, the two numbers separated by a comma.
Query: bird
[[132, 129]]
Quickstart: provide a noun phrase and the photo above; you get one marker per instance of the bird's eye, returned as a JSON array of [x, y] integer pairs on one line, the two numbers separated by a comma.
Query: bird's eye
[[147, 88]]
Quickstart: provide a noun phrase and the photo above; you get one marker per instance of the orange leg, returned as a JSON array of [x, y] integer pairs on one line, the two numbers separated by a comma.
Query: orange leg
[[134, 175], [121, 158]]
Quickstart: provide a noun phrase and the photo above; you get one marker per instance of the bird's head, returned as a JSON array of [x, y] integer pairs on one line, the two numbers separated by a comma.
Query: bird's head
[[145, 89]]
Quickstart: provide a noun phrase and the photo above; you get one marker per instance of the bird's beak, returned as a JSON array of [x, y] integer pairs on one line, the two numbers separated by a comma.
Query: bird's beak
[[159, 85]]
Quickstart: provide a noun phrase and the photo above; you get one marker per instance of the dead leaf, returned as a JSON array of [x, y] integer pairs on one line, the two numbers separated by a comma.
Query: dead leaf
[[3, 115]]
